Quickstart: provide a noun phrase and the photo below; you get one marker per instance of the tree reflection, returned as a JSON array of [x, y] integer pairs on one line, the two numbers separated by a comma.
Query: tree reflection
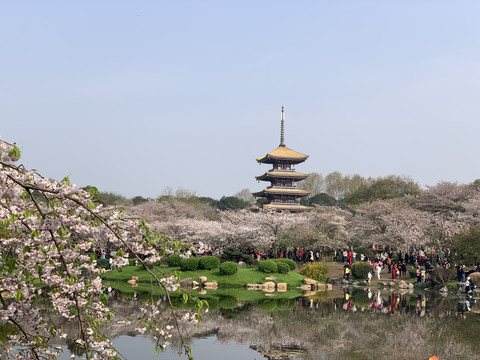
[[362, 324]]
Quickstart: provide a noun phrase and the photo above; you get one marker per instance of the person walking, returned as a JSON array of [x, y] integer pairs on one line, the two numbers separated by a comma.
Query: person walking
[[378, 269], [347, 272], [394, 272]]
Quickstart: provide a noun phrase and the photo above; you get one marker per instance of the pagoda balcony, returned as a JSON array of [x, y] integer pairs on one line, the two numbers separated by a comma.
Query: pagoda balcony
[[274, 169], [285, 201], [281, 186]]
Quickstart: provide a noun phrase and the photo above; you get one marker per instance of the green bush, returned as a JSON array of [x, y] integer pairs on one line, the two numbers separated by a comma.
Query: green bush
[[209, 262], [103, 263], [131, 262], [361, 269], [412, 272], [174, 260], [268, 305], [228, 302], [190, 264], [235, 255], [212, 304], [291, 264], [315, 270], [282, 268], [267, 266], [228, 268]]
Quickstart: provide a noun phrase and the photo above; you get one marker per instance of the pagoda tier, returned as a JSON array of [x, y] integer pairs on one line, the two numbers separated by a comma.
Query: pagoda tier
[[280, 175], [283, 194], [283, 154]]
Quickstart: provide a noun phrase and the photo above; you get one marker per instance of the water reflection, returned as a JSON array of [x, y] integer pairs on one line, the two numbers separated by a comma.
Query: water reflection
[[205, 347], [349, 323]]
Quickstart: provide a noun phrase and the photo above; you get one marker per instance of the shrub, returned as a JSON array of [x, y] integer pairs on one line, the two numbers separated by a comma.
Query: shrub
[[131, 262], [361, 269], [235, 255], [174, 260], [282, 268], [291, 264], [103, 263], [212, 304], [228, 268], [268, 305], [412, 272], [190, 264], [315, 270], [267, 266], [228, 302], [441, 275], [209, 262]]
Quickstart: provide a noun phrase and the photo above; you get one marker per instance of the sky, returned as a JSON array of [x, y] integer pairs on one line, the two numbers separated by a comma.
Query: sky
[[134, 97]]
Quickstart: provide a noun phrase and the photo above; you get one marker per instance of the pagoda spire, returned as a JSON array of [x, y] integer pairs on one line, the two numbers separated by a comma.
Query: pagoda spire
[[282, 129]]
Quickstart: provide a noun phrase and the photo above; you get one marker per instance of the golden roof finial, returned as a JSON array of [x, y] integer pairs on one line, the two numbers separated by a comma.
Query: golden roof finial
[[282, 130]]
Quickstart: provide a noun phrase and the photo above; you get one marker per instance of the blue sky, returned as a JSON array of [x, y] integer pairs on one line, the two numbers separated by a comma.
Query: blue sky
[[135, 96]]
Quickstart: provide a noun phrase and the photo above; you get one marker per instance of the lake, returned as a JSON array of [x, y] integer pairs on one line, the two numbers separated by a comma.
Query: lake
[[344, 324]]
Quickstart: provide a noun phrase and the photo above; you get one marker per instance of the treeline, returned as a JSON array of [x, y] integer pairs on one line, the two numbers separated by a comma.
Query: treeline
[[240, 200], [340, 190], [334, 189]]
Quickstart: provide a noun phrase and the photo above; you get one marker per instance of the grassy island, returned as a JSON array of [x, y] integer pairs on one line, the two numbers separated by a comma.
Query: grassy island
[[231, 286], [249, 275]]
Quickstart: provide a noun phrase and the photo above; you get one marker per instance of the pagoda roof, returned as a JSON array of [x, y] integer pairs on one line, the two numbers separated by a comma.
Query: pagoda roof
[[290, 207], [282, 174], [282, 191], [282, 153]]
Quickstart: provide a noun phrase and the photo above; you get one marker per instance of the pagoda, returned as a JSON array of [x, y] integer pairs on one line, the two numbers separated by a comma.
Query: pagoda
[[283, 193]]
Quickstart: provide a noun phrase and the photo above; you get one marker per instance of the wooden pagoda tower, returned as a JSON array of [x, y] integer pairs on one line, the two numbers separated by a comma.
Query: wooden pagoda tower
[[283, 194]]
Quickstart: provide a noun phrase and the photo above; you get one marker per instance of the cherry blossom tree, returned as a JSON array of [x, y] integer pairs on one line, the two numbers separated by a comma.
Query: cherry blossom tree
[[389, 223], [47, 229], [327, 228], [453, 208], [265, 230]]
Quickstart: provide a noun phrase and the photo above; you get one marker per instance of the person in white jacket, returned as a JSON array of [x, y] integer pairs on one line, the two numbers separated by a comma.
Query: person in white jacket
[[378, 269]]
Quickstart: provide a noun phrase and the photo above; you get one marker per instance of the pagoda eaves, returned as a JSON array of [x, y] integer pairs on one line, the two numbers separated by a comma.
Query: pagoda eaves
[[293, 175], [283, 153], [278, 190]]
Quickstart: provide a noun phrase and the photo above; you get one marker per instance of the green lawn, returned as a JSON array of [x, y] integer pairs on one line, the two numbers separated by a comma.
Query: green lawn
[[243, 277], [241, 294], [231, 287]]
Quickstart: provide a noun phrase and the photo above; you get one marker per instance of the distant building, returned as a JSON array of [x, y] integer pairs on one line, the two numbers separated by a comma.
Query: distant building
[[283, 194]]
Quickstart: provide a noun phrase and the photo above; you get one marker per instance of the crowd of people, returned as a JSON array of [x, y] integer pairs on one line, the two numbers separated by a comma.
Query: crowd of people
[[398, 264]]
